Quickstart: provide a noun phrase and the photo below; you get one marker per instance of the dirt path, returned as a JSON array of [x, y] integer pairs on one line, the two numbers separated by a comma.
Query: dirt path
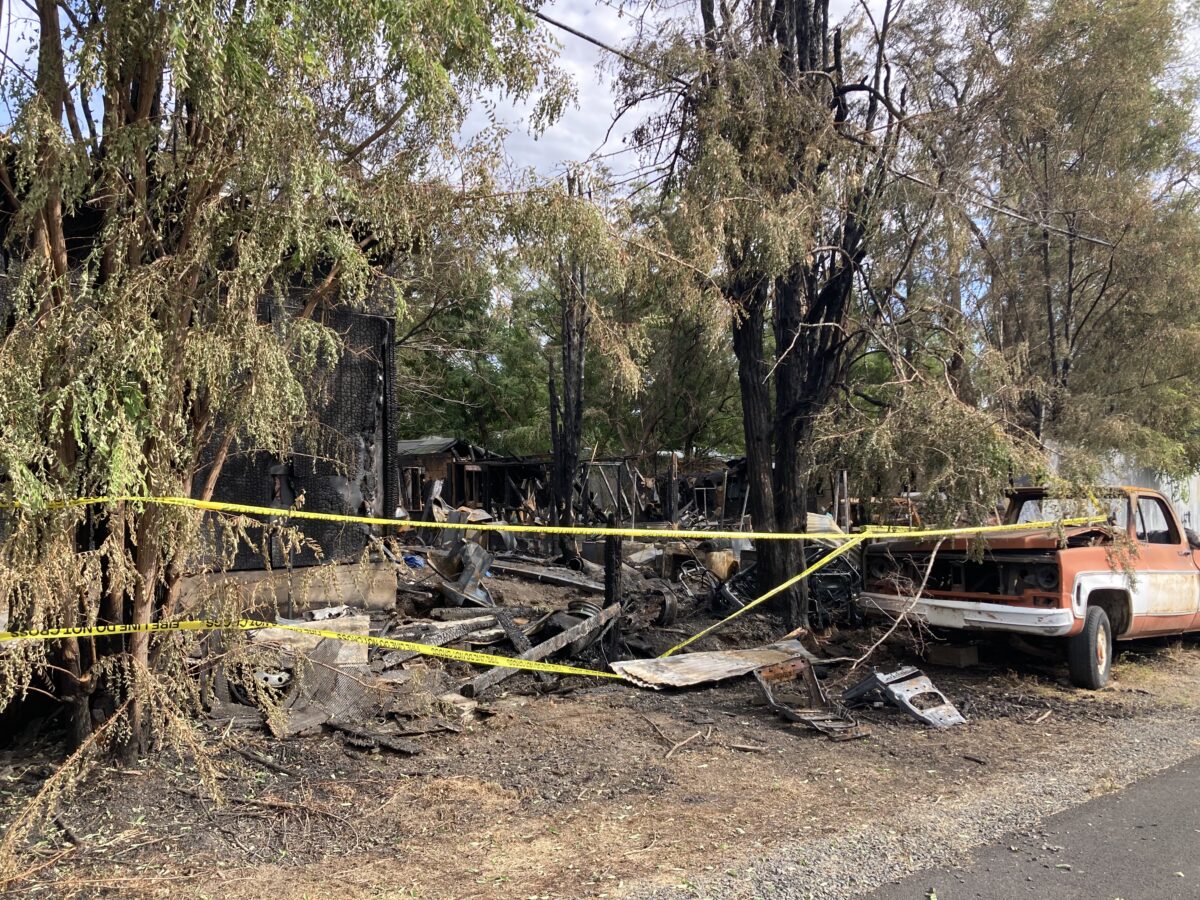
[[608, 791]]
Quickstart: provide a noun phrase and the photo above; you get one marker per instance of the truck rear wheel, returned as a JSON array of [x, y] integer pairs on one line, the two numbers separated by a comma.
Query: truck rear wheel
[[1089, 653]]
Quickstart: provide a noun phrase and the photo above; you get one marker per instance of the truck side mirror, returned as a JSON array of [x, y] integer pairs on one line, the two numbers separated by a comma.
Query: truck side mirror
[[1193, 538]]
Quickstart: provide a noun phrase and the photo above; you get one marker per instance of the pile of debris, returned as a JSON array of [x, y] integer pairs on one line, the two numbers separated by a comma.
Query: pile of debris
[[609, 607]]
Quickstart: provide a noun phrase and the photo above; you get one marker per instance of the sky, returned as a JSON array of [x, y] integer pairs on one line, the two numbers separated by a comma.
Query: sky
[[581, 131], [578, 134]]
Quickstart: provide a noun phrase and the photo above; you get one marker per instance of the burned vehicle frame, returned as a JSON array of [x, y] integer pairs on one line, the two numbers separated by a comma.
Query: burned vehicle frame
[[1133, 572]]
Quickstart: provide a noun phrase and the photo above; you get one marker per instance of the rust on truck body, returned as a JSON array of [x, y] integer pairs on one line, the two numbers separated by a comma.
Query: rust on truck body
[[1139, 567]]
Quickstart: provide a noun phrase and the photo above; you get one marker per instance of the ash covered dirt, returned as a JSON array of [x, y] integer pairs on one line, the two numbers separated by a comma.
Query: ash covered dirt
[[585, 789]]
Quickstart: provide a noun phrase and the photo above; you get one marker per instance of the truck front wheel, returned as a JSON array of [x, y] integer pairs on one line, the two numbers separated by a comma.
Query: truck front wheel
[[1089, 653]]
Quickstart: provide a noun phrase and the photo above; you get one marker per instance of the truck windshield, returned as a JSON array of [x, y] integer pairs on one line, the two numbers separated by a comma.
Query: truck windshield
[[1049, 509]]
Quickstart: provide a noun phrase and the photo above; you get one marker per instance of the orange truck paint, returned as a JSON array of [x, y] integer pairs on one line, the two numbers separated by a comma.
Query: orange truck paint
[[1156, 579]]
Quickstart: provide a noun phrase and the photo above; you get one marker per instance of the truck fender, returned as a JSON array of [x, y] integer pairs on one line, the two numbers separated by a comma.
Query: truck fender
[[1108, 590]]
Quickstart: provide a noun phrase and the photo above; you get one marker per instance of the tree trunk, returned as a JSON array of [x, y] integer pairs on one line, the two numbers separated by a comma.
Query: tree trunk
[[147, 562], [566, 418], [956, 367], [71, 688], [775, 560], [792, 426]]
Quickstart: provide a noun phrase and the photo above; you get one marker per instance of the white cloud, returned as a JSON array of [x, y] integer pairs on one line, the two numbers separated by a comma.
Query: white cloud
[[581, 131]]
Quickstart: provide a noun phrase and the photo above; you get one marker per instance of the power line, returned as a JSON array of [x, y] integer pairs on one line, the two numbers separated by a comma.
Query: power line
[[979, 198], [628, 57], [1011, 213]]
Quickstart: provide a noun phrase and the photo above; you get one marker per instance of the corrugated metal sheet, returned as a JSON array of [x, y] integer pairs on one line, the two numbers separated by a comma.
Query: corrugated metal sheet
[[426, 446], [699, 668]]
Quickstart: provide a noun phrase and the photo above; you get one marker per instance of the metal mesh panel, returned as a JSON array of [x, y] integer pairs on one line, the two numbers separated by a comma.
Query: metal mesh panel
[[341, 463]]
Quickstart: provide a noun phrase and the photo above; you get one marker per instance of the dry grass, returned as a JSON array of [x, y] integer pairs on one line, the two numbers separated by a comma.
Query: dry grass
[[1166, 671]]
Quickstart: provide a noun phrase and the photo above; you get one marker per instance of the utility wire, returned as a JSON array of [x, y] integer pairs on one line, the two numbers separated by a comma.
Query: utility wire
[[1005, 211], [979, 197], [628, 57]]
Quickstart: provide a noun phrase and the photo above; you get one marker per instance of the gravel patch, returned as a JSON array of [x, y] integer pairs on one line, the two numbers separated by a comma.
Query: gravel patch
[[907, 839]]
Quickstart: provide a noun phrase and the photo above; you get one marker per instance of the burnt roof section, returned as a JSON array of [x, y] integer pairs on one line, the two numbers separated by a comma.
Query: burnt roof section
[[432, 445]]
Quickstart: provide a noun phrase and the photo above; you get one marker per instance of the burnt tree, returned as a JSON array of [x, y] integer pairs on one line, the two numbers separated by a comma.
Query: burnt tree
[[833, 148], [168, 169], [566, 411]]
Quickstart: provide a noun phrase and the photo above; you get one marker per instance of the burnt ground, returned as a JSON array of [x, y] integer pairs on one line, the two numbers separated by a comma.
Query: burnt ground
[[593, 790]]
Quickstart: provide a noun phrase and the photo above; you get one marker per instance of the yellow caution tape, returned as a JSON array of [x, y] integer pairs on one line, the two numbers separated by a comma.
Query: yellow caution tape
[[872, 534], [467, 656], [875, 531], [583, 531], [890, 532], [795, 579], [852, 540], [43, 634]]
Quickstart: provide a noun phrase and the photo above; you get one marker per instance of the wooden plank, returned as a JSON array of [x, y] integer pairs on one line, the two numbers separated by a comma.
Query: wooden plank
[[494, 676]]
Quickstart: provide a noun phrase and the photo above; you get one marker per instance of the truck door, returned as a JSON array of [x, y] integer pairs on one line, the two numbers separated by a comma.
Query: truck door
[[1167, 592]]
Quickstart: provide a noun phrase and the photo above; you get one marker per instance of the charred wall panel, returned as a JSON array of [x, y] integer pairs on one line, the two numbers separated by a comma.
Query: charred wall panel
[[341, 462]]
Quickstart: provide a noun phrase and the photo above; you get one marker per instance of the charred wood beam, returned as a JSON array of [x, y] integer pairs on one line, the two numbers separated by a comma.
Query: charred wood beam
[[494, 676], [519, 639], [544, 576], [441, 638]]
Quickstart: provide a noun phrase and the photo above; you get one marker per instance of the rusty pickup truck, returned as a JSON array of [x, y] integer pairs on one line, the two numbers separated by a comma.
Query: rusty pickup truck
[[1134, 574]]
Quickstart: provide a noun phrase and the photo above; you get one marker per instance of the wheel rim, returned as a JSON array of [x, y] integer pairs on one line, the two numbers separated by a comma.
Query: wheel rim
[[1101, 649]]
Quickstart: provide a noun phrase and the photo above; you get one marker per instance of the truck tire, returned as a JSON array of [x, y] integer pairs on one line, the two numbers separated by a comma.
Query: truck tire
[[1089, 653]]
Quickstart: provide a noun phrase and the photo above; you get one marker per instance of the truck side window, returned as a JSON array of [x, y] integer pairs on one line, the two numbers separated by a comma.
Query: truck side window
[[1154, 524]]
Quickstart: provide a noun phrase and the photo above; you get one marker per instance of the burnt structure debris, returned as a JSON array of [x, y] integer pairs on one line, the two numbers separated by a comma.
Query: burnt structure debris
[[342, 461], [452, 473]]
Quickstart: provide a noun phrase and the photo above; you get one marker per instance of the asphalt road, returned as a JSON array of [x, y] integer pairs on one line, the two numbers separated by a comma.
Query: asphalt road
[[1142, 843]]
